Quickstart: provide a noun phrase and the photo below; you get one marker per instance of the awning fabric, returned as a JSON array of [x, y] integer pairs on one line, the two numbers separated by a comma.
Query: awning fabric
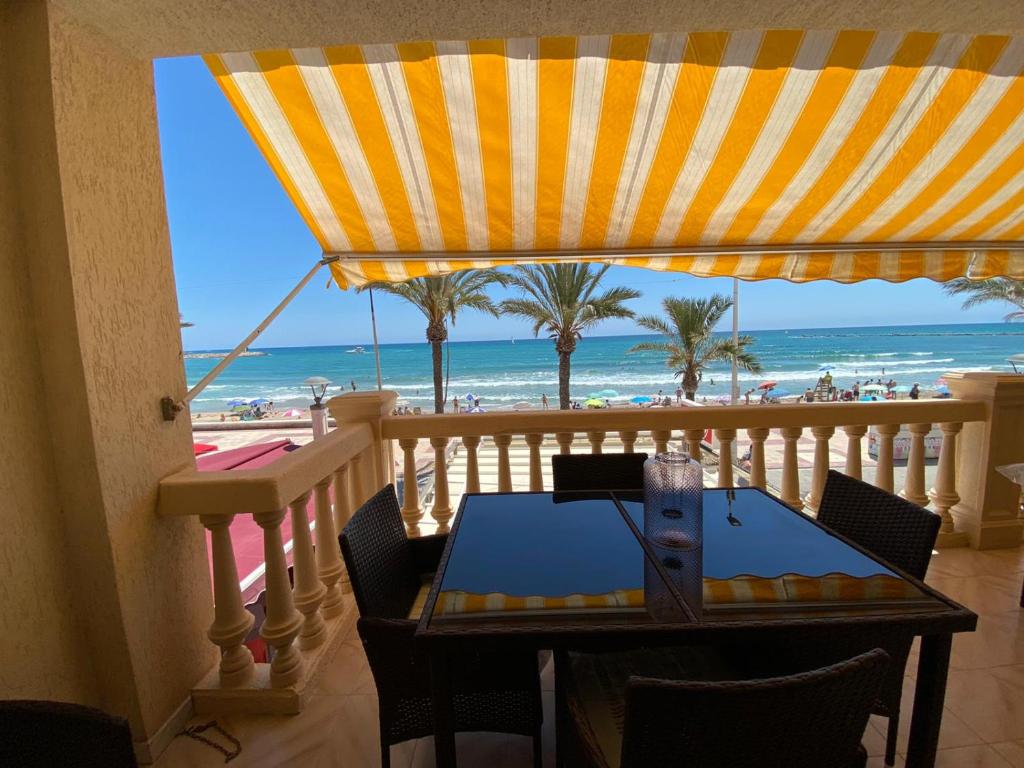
[[796, 154]]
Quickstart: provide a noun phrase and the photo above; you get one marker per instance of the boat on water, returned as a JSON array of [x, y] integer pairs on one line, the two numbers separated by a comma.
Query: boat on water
[[356, 351]]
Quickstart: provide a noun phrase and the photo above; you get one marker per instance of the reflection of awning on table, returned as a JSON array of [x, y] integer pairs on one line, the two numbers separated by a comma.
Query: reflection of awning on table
[[741, 590], [796, 154]]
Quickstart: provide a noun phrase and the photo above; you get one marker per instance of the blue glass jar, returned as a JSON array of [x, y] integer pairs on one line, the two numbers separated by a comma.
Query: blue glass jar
[[673, 501]]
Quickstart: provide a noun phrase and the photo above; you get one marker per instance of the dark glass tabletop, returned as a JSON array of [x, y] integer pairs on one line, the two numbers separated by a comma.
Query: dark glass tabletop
[[581, 557]]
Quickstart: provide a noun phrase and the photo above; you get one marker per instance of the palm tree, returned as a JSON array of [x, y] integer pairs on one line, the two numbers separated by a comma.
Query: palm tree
[[440, 299], [690, 343], [994, 289], [563, 299]]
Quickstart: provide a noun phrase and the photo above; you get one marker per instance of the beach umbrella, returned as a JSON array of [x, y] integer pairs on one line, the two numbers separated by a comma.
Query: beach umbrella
[[470, 397], [901, 389], [609, 393], [873, 388], [640, 399], [259, 401], [595, 402], [476, 409], [294, 412], [767, 385], [779, 393], [235, 403]]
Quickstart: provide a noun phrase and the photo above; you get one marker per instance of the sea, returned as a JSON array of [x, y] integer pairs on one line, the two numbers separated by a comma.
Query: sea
[[507, 371]]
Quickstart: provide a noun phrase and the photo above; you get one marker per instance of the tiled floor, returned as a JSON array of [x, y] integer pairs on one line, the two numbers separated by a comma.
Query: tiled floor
[[983, 725]]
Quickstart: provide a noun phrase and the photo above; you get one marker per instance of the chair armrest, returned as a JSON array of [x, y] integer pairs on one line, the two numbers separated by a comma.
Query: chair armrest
[[426, 552]]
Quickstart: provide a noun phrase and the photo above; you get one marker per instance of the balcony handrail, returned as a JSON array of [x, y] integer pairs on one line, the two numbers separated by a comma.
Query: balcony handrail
[[816, 414], [266, 489]]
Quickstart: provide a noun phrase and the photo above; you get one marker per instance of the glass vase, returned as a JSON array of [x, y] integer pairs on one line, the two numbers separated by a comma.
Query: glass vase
[[673, 501]]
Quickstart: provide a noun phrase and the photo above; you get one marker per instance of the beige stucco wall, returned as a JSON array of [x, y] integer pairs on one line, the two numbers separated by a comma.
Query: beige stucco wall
[[160, 28], [41, 637], [98, 304]]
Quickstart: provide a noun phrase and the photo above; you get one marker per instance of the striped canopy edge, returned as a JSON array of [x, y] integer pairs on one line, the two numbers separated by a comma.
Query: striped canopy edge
[[801, 155]]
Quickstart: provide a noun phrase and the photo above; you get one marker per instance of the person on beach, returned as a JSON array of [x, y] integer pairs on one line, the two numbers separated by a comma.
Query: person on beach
[[353, 383], [544, 402], [455, 404], [915, 391], [679, 395]]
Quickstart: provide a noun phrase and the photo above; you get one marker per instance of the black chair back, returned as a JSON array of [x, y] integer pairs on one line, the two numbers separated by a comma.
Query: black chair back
[[41, 734], [598, 472], [379, 558], [891, 528], [808, 720]]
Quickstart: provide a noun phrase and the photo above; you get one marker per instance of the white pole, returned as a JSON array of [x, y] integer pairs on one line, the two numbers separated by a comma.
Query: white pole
[[735, 338], [213, 374], [376, 346]]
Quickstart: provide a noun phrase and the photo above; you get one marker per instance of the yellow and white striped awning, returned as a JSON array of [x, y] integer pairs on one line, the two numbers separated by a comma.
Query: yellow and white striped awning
[[796, 154]]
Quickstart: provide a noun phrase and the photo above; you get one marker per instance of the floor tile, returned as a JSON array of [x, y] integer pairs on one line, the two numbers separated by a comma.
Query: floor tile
[[990, 701], [981, 594], [1012, 752], [982, 756], [998, 641]]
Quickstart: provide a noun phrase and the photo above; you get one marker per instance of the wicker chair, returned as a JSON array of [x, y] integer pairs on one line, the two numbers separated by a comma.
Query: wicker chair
[[808, 720], [598, 472], [40, 734], [491, 691], [900, 533]]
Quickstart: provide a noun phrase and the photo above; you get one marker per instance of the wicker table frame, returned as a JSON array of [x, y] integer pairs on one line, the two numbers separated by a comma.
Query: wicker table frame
[[935, 628]]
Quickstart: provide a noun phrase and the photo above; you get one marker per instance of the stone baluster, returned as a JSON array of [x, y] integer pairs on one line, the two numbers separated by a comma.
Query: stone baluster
[[693, 438], [757, 437], [564, 440], [504, 468], [628, 438], [854, 433], [472, 443], [596, 438], [357, 481], [442, 509], [726, 438], [283, 622], [883, 467], [913, 487], [342, 514], [231, 622], [308, 592], [661, 438], [411, 512], [822, 435], [944, 495], [328, 555], [790, 492], [533, 441]]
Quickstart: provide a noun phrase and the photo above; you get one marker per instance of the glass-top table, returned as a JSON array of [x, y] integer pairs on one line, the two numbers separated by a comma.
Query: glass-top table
[[582, 570]]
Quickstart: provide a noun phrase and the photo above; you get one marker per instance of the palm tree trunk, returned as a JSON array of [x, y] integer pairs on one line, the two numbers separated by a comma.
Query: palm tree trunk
[[563, 380], [691, 395], [435, 354]]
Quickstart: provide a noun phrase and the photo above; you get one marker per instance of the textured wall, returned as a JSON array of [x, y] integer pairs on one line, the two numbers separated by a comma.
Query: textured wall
[[99, 305], [42, 653], [160, 28]]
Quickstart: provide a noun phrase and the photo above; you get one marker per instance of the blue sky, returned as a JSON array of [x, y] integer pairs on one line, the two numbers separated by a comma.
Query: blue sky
[[239, 246]]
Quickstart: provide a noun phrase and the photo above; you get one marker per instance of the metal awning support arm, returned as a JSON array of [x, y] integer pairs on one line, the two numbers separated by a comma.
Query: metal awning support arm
[[217, 369]]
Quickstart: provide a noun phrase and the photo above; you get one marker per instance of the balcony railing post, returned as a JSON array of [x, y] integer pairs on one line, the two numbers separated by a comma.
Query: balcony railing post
[[504, 469], [883, 467], [790, 491], [628, 438], [943, 494], [854, 433], [283, 622], [757, 437], [231, 622], [564, 440], [661, 438], [472, 442], [693, 439], [822, 435], [308, 592], [442, 509], [913, 487], [342, 513], [726, 438], [533, 442], [411, 512], [596, 438], [989, 508], [328, 556]]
